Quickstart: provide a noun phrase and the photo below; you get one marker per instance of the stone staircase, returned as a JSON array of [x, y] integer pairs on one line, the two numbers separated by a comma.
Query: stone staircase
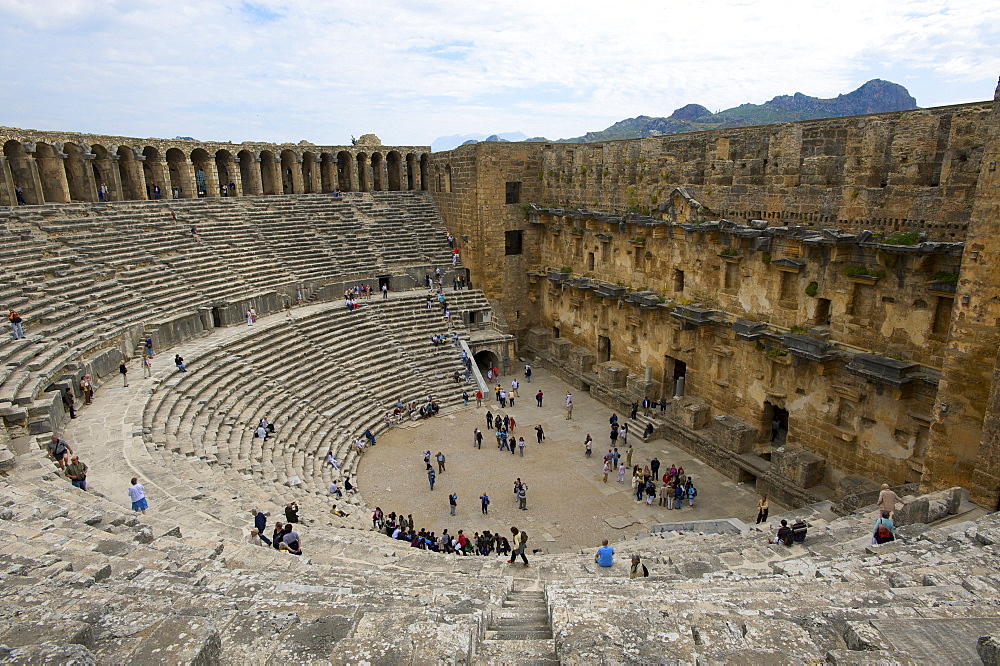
[[519, 632]]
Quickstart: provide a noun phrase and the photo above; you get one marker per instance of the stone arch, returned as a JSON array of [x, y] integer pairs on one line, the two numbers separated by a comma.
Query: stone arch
[[424, 164], [310, 179], [394, 168], [130, 174], [177, 167], [22, 171], [226, 170], [157, 182], [269, 173], [485, 360], [205, 179], [344, 171], [103, 174], [378, 171], [363, 181], [79, 176], [250, 176], [411, 171], [327, 173], [51, 173], [289, 164]]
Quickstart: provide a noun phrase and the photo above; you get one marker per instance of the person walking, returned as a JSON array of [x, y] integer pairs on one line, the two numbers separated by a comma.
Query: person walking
[[888, 499], [588, 446], [70, 402], [522, 497], [137, 493], [440, 461], [149, 346], [87, 386], [621, 472], [538, 398], [123, 369], [762, 509], [76, 472], [477, 438], [607, 469], [520, 446], [569, 406], [484, 499], [431, 476], [527, 374], [453, 502], [147, 366], [539, 433], [521, 539]]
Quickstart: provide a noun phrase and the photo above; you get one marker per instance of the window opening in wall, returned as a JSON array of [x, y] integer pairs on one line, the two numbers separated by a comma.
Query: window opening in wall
[[514, 192], [603, 349], [942, 314], [822, 312], [555, 332], [678, 280], [512, 242], [590, 261], [732, 275], [787, 287]]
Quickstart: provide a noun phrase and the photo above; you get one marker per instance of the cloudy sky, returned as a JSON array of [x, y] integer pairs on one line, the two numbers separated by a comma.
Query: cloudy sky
[[412, 71]]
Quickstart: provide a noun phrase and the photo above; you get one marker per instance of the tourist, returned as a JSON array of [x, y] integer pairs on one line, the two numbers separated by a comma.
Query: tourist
[[69, 402], [607, 469], [692, 492], [261, 431], [440, 461], [513, 389], [350, 487], [254, 539], [799, 529], [484, 499], [87, 387], [888, 499], [605, 554], [291, 540], [16, 324], [276, 535], [137, 493], [517, 487], [489, 420], [59, 450], [453, 502], [678, 496], [370, 436], [648, 431], [663, 495], [522, 497], [538, 397], [123, 369], [430, 477], [521, 539], [634, 410], [292, 512], [587, 446], [332, 460], [149, 346], [775, 427], [762, 509], [654, 467], [884, 531], [784, 536], [650, 492], [260, 522], [621, 472], [527, 377], [147, 366], [479, 398], [76, 472], [19, 195], [539, 433], [179, 362], [520, 446], [638, 570]]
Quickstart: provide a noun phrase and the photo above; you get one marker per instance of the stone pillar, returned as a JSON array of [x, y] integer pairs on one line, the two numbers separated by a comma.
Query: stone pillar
[[52, 176], [256, 185], [31, 184], [7, 197], [188, 185], [297, 175], [649, 374], [139, 174], [355, 177], [114, 179], [236, 176], [211, 178]]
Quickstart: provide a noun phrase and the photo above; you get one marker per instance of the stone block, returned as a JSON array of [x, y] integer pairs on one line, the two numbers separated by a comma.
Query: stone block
[[988, 648], [559, 348], [581, 360], [180, 640], [803, 468], [613, 375], [47, 653], [733, 435], [693, 415]]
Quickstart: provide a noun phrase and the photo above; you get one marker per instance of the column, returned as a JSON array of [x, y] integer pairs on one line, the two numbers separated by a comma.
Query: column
[[115, 192], [52, 175], [211, 178], [297, 175], [236, 176], [6, 184]]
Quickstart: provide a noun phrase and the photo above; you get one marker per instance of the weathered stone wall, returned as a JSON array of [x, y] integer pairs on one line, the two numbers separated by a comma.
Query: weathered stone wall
[[848, 332]]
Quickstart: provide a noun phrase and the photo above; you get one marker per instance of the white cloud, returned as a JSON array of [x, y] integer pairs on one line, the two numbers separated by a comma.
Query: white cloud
[[324, 70]]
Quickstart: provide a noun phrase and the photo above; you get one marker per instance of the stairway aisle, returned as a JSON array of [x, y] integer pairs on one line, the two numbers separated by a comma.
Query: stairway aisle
[[520, 632]]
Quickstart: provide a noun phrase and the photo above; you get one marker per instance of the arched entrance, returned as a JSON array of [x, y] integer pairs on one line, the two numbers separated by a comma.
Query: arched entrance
[[411, 170], [152, 169], [378, 184], [177, 167], [327, 173], [20, 171], [79, 178], [227, 173], [204, 173], [394, 164], [249, 173], [344, 171], [486, 360], [424, 164], [289, 163], [103, 178], [129, 174], [268, 172], [51, 174], [309, 176]]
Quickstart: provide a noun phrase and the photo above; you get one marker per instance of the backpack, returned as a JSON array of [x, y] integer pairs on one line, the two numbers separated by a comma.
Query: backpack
[[694, 491], [882, 532]]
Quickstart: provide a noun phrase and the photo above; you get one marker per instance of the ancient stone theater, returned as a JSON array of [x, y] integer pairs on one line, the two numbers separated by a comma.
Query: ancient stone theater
[[807, 312]]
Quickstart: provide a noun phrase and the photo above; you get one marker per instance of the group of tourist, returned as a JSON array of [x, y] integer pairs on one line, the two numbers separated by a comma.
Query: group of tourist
[[284, 537]]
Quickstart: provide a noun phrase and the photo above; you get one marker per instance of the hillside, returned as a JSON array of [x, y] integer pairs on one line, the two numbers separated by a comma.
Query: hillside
[[875, 96]]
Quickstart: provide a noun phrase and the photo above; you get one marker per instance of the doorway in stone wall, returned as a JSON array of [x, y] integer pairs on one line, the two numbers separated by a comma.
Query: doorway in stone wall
[[674, 376], [603, 349], [775, 416]]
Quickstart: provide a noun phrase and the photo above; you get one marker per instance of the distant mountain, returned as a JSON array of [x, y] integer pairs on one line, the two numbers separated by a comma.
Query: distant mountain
[[448, 142], [876, 96]]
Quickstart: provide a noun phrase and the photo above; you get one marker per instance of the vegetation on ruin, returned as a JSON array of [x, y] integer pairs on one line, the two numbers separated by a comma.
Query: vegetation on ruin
[[863, 271], [639, 239], [649, 255], [947, 277], [730, 252], [566, 269], [776, 352], [812, 289], [798, 330], [904, 238], [765, 258]]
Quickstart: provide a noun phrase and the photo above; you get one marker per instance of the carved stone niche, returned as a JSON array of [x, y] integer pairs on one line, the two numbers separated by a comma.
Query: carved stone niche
[[559, 348], [581, 360], [801, 467], [612, 374]]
